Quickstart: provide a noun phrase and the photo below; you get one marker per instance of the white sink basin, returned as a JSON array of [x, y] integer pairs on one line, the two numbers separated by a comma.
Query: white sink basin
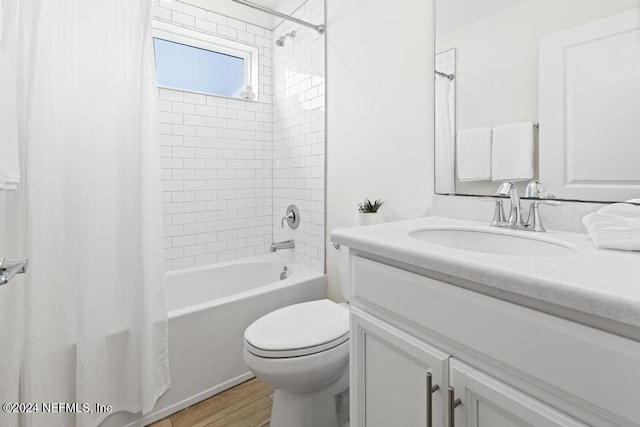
[[497, 243]]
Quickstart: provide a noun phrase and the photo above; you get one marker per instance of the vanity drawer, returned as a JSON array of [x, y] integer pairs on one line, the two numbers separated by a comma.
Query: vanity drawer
[[600, 368]]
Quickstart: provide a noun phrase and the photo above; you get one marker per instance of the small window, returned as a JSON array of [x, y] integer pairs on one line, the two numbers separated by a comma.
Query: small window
[[197, 62], [197, 70]]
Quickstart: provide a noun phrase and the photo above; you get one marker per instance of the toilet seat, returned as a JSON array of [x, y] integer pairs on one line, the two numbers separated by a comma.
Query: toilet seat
[[298, 330], [282, 354]]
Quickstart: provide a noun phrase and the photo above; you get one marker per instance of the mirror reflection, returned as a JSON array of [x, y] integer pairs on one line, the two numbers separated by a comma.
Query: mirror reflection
[[538, 90]]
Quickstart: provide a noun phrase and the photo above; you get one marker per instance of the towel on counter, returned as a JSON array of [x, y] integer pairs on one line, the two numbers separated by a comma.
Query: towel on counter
[[512, 152], [9, 166], [616, 226], [473, 154]]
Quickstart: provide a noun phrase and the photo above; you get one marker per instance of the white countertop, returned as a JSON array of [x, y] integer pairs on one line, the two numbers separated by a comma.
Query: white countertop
[[596, 282]]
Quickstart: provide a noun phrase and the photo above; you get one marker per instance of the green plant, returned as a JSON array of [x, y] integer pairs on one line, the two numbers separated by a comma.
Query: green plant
[[369, 207]]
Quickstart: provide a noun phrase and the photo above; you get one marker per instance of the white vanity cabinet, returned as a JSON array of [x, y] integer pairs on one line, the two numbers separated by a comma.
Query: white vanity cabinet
[[487, 402], [508, 365], [393, 374]]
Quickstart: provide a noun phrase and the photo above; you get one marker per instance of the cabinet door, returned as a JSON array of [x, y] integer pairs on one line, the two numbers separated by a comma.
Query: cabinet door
[[487, 402], [389, 376]]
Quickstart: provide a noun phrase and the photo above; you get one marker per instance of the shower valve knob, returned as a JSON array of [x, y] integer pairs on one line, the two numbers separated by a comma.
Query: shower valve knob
[[292, 217]]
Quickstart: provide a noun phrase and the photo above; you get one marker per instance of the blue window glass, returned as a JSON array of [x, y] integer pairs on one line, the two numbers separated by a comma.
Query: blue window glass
[[180, 66]]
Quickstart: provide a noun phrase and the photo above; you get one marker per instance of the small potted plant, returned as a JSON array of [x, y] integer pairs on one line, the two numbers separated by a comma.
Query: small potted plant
[[368, 212]]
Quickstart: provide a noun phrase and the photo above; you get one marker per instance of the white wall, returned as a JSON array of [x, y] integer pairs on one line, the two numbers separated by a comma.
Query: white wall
[[451, 14], [379, 111]]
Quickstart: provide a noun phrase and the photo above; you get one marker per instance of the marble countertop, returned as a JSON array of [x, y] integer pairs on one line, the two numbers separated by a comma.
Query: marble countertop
[[596, 282]]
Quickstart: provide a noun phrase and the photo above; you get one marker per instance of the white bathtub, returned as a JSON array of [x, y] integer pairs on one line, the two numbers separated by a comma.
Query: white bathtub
[[209, 308]]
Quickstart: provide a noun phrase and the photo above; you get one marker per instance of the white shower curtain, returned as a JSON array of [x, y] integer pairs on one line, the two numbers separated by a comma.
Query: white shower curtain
[[95, 328], [11, 231], [444, 147]]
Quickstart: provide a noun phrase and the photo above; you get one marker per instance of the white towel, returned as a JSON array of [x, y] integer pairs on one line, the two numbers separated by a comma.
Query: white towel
[[9, 166], [512, 152], [473, 154], [616, 226]]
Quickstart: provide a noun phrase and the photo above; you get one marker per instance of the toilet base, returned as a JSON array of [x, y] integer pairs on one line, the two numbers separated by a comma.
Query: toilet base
[[324, 408]]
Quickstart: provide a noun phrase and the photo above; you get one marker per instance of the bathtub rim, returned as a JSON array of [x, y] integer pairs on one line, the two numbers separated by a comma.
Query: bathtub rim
[[299, 273]]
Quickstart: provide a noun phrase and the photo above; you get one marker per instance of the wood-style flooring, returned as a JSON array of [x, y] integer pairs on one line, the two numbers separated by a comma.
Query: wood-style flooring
[[245, 405]]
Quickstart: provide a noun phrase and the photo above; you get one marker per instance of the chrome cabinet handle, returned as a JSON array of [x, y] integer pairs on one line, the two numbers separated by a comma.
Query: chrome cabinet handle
[[430, 390], [453, 404]]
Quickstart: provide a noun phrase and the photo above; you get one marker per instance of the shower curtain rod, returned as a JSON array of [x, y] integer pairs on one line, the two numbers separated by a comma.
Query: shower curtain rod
[[319, 28], [448, 76]]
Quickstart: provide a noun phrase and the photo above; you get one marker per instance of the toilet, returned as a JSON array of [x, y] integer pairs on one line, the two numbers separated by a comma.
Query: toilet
[[302, 352]]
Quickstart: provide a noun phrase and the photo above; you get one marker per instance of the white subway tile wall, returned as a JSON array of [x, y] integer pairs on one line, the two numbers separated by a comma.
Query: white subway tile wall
[[217, 157], [299, 135], [223, 195]]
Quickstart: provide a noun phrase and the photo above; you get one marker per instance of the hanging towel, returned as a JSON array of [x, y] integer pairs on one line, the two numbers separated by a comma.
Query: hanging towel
[[512, 152], [474, 154], [616, 226], [9, 166]]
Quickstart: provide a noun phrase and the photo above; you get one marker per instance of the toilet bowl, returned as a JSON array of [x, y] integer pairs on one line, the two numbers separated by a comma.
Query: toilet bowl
[[302, 352]]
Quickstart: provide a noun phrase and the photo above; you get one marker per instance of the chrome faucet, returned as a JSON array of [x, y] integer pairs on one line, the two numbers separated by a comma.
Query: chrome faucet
[[286, 244], [515, 222], [509, 188], [535, 190]]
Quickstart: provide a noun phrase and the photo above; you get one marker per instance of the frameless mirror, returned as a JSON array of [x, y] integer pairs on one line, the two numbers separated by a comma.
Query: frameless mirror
[[545, 90]]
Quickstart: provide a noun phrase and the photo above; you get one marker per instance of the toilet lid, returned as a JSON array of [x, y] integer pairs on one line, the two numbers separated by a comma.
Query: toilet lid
[[299, 329]]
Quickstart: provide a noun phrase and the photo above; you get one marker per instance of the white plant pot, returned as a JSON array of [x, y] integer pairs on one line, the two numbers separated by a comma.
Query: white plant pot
[[368, 218]]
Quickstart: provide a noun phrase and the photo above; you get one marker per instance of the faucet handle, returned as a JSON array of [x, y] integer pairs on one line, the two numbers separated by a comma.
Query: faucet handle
[[534, 189], [504, 188], [535, 221], [292, 217], [498, 213], [546, 202]]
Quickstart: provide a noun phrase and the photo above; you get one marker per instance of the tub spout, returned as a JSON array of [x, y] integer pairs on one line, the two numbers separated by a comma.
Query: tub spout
[[287, 244]]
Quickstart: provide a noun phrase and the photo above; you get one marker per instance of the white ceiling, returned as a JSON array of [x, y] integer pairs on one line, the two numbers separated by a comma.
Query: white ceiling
[[452, 14], [247, 14]]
